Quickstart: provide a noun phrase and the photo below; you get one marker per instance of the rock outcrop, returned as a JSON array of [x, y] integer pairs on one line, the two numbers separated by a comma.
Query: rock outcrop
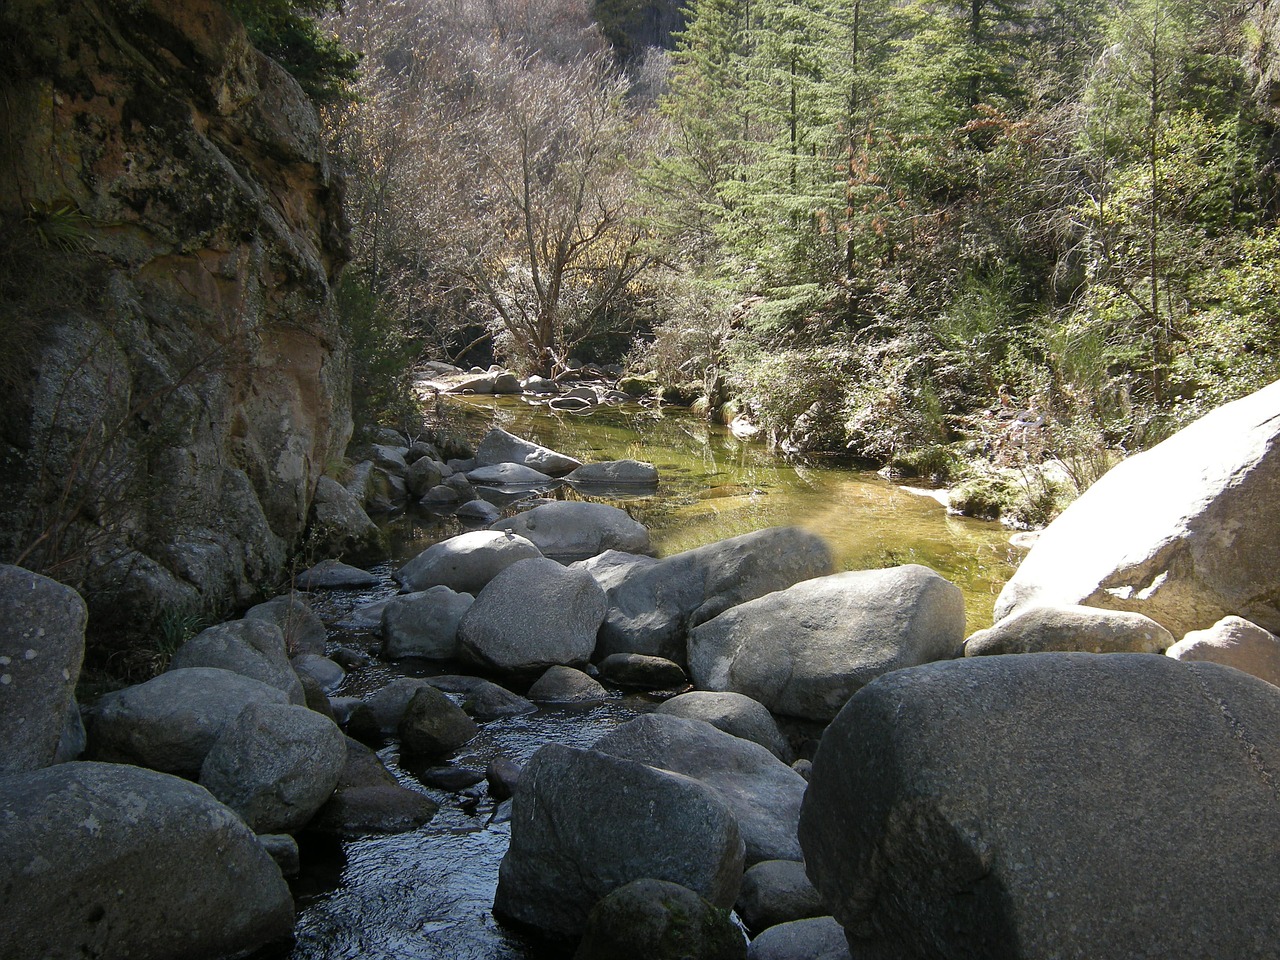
[[181, 380], [1059, 804], [1186, 533]]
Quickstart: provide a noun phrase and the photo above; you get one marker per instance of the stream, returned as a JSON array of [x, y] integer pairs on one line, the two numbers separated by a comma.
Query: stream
[[428, 893]]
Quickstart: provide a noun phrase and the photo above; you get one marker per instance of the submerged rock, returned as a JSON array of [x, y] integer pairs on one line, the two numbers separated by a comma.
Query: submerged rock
[[1060, 804], [335, 575], [369, 799]]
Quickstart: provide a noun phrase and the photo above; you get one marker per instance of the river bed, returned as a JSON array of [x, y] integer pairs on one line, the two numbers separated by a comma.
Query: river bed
[[428, 893]]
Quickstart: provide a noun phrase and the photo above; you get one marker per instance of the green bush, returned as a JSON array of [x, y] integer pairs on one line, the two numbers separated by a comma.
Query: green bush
[[382, 358], [287, 31]]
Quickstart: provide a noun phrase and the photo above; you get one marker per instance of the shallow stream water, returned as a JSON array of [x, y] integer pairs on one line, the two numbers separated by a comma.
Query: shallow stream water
[[428, 893]]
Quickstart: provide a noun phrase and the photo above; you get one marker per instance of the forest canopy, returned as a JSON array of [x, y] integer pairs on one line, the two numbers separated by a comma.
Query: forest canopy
[[889, 228]]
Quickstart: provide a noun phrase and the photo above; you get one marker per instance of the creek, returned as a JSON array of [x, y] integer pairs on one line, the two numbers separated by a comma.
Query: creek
[[428, 893]]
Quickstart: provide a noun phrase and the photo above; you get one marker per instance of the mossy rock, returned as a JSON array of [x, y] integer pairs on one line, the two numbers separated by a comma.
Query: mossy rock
[[658, 920], [682, 394], [639, 386]]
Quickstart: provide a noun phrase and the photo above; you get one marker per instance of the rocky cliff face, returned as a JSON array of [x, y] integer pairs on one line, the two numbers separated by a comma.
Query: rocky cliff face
[[175, 380]]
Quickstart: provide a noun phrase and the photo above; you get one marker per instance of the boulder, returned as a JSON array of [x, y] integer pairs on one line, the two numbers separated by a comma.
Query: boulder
[[503, 776], [806, 650], [1185, 533], [41, 648], [367, 616], [424, 624], [275, 765], [484, 699], [474, 383], [576, 530], [304, 632], [584, 824], [283, 849], [507, 382], [498, 446], [1071, 628], [464, 563], [616, 473], [424, 473], [763, 792], [777, 891], [642, 673], [378, 716], [478, 512], [652, 606], [327, 674], [508, 475], [171, 722], [109, 860], [390, 457], [335, 575], [433, 725], [340, 527], [369, 799], [317, 699], [1234, 642], [734, 714], [74, 739], [613, 566], [819, 938], [441, 495], [658, 920], [540, 386], [251, 648], [1056, 805], [534, 614], [449, 778], [562, 684]]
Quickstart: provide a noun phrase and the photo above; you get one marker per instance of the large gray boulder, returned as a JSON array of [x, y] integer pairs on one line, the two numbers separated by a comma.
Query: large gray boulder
[[433, 725], [1234, 642], [108, 860], [379, 714], [1187, 532], [576, 530], [464, 563], [652, 606], [818, 938], [171, 722], [368, 799], [734, 714], [424, 624], [584, 824], [304, 632], [1056, 805], [483, 699], [777, 891], [562, 684], [806, 650], [41, 647], [659, 920], [275, 765], [763, 792], [340, 527], [498, 446], [251, 648], [1071, 628], [534, 614]]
